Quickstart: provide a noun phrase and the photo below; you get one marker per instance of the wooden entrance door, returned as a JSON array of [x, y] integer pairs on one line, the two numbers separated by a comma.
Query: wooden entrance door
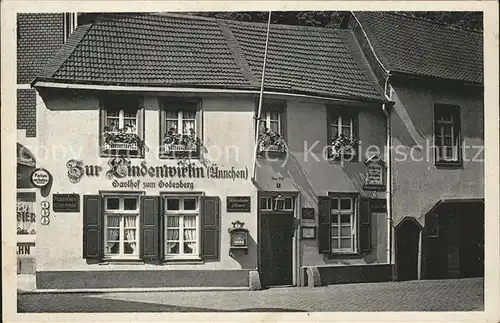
[[472, 240], [276, 249], [407, 236]]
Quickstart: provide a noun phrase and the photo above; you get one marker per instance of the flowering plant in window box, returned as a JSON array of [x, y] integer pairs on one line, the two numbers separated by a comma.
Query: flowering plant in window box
[[342, 145], [122, 139], [184, 143], [271, 141]]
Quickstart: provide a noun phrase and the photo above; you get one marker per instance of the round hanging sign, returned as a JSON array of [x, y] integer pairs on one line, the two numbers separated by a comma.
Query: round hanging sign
[[45, 204], [45, 212], [40, 177]]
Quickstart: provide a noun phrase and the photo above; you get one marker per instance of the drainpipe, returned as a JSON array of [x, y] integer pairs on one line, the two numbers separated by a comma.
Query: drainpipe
[[388, 191]]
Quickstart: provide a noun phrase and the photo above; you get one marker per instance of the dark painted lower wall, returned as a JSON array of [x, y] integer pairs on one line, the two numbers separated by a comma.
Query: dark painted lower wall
[[353, 274], [141, 279]]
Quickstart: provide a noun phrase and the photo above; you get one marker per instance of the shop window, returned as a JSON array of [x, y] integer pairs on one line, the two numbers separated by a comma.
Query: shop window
[[121, 215], [182, 223], [342, 134], [344, 227], [122, 129], [180, 128], [447, 134], [272, 128]]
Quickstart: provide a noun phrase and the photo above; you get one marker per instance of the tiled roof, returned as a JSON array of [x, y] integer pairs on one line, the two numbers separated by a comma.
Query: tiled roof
[[303, 59], [417, 46], [39, 36], [177, 50]]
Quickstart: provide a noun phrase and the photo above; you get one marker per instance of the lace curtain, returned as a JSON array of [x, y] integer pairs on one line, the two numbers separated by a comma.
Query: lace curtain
[[130, 234], [190, 232], [112, 234], [172, 232], [188, 122]]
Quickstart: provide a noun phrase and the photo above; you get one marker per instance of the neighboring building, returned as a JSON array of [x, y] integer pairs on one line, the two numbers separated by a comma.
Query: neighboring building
[[39, 36], [141, 198], [434, 74]]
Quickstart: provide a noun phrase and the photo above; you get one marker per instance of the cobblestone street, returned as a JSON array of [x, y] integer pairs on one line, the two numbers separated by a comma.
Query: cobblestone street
[[436, 295]]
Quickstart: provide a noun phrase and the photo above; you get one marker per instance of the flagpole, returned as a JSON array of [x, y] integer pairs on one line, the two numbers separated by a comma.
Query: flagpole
[[259, 110]]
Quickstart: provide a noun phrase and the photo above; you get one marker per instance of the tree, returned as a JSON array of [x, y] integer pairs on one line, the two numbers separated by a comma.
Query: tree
[[333, 19], [330, 19], [468, 20]]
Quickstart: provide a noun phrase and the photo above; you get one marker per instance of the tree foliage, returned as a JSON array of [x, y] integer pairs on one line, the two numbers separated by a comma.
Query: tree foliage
[[333, 19]]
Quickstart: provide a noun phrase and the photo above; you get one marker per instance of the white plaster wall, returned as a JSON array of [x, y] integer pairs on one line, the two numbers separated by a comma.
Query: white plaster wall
[[69, 129], [418, 183], [307, 122]]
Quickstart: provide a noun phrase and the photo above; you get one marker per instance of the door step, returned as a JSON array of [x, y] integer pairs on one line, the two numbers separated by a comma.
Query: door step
[[280, 286]]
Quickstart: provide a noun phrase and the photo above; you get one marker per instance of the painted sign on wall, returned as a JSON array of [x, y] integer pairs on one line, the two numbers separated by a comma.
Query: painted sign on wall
[[25, 250], [123, 173], [26, 218]]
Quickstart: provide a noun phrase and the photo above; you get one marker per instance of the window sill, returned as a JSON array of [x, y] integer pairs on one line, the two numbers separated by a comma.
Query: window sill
[[449, 164], [344, 158], [271, 154], [180, 156], [345, 255], [180, 261], [111, 261], [127, 154]]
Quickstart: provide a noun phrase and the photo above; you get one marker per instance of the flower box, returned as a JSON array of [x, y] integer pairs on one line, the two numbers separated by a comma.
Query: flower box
[[270, 141], [121, 140], [342, 146], [181, 145], [120, 146], [180, 148]]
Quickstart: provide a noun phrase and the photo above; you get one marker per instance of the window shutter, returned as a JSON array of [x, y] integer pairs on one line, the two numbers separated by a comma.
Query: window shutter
[[210, 232], [283, 122], [329, 134], [92, 227], [364, 224], [102, 120], [162, 125], [324, 224], [199, 121], [457, 131], [140, 117], [149, 222], [355, 131]]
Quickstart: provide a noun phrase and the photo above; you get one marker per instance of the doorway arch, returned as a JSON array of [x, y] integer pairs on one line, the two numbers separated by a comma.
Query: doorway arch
[[407, 236]]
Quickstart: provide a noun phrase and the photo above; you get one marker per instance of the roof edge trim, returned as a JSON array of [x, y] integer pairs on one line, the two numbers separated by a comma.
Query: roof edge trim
[[97, 87]]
